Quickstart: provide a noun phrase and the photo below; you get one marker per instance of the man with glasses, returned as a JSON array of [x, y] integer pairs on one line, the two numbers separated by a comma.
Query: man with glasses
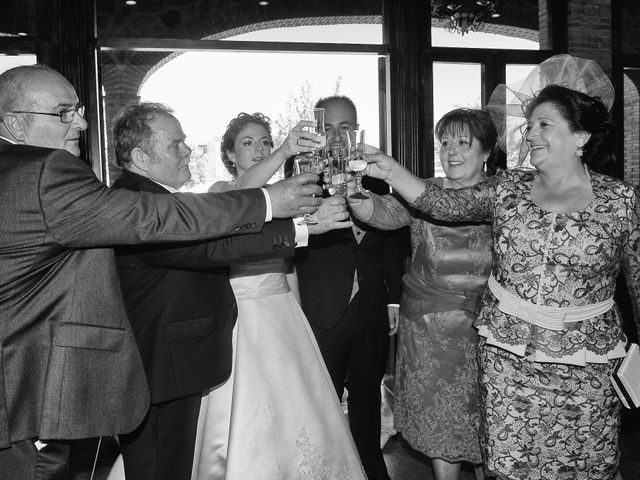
[[66, 116], [70, 368]]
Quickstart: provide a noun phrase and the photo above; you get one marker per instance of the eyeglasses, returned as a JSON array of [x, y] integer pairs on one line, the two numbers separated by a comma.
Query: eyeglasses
[[66, 116]]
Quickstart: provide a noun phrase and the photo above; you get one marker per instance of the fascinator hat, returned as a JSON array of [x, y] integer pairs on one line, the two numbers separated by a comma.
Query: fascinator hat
[[508, 103]]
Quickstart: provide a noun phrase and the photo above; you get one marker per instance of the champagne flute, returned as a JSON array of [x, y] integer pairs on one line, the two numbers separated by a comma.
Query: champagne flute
[[338, 174], [357, 163], [304, 164], [319, 154], [318, 116]]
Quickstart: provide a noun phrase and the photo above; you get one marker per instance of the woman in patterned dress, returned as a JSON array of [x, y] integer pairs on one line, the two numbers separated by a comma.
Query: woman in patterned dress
[[551, 332], [436, 404]]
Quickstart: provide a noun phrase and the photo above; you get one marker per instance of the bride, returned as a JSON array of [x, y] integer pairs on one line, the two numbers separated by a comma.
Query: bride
[[277, 417]]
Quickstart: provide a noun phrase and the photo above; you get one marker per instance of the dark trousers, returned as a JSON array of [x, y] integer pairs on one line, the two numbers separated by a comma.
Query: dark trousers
[[161, 448], [356, 357], [23, 461]]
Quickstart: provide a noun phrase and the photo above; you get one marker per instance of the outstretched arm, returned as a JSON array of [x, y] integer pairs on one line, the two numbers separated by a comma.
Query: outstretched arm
[[428, 196], [385, 212], [298, 141], [382, 166]]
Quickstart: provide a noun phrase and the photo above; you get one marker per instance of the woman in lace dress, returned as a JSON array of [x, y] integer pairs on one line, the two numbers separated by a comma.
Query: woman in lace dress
[[436, 404], [277, 417], [550, 331]]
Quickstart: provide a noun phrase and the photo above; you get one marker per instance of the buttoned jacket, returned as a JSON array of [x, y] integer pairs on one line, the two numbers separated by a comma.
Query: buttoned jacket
[[181, 304]]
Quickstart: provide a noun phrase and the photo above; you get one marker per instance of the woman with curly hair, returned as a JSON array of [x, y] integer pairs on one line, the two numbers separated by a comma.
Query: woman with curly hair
[[277, 417]]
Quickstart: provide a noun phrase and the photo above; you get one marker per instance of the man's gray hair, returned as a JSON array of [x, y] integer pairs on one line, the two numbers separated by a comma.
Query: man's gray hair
[[131, 129]]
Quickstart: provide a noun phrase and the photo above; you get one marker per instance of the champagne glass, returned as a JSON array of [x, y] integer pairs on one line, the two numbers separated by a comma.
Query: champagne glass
[[338, 173], [304, 164], [357, 163], [318, 117]]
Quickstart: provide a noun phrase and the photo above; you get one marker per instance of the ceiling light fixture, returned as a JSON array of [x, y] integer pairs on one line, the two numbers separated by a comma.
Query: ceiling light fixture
[[462, 16], [263, 3], [131, 2]]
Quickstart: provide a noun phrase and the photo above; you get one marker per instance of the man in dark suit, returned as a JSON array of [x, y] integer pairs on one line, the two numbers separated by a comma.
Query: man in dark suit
[[347, 278], [70, 365], [179, 298]]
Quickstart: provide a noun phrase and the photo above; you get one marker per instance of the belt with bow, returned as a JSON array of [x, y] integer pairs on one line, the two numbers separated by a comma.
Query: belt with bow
[[551, 318]]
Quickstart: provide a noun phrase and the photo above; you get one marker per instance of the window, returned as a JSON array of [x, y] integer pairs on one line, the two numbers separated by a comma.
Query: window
[[10, 61], [209, 87]]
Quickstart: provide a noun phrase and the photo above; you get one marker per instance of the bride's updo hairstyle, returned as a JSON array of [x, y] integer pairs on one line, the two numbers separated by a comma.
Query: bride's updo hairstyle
[[583, 113], [233, 130]]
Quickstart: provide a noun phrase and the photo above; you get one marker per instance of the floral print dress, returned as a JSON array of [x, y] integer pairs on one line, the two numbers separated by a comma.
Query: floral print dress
[[436, 405], [548, 407]]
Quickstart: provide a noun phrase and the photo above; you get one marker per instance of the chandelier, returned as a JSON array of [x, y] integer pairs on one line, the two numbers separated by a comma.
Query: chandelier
[[462, 16]]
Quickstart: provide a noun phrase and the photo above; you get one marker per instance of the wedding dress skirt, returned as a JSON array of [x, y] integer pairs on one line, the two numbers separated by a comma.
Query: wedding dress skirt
[[277, 417]]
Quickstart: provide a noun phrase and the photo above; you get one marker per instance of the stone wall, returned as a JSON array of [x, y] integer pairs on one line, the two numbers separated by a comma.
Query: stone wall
[[632, 127], [589, 32]]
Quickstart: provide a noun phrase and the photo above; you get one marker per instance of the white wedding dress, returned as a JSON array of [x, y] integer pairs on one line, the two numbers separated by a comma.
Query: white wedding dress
[[277, 417]]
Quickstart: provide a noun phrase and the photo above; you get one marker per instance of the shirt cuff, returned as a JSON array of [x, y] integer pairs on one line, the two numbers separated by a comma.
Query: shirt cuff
[[302, 235], [267, 199], [397, 305]]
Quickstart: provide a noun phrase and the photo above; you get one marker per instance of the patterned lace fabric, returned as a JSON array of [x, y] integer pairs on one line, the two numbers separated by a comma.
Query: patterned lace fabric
[[314, 466], [436, 389], [552, 259]]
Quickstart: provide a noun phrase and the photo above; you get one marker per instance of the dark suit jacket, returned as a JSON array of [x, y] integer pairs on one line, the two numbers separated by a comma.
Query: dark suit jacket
[[69, 364], [180, 302], [327, 266]]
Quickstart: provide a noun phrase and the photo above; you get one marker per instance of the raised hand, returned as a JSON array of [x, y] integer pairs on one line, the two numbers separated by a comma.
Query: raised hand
[[331, 215], [293, 196], [380, 165], [300, 140]]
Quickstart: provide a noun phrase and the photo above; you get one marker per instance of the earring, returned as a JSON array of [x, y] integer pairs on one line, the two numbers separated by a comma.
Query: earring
[[579, 152], [234, 164]]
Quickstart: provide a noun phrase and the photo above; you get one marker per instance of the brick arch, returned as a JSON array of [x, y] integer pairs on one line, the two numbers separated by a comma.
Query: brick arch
[[272, 24]]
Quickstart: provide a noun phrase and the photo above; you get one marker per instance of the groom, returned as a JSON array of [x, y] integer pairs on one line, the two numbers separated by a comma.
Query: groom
[[347, 279], [179, 298]]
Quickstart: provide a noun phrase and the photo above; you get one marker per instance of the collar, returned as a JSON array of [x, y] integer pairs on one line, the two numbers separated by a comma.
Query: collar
[[167, 187]]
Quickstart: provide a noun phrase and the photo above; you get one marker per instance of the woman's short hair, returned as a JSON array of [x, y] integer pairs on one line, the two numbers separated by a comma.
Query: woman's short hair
[[583, 113], [231, 133], [478, 124], [131, 129]]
